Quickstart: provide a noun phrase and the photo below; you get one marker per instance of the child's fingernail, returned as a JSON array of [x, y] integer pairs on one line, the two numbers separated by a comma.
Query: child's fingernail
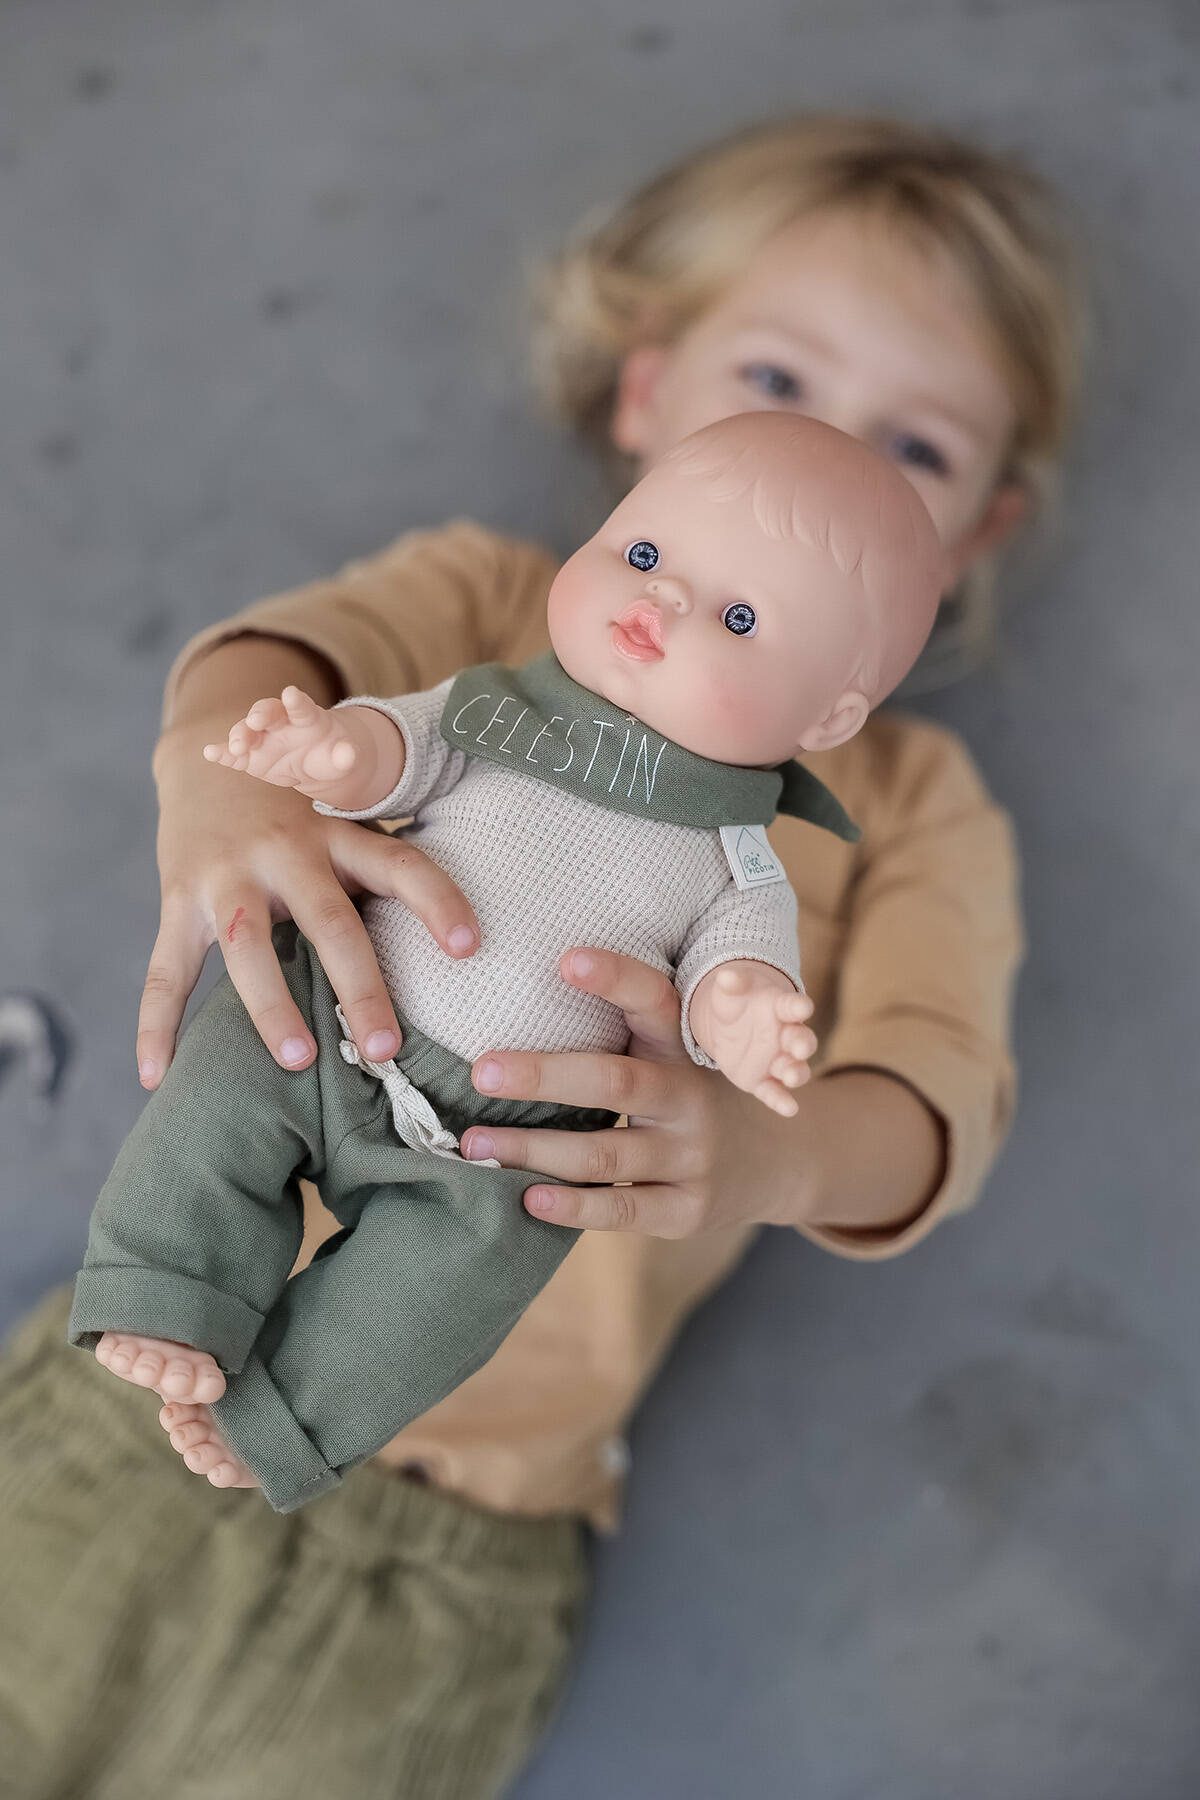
[[488, 1076], [479, 1146], [294, 1051], [540, 1199], [461, 939], [381, 1046], [147, 1070], [581, 963]]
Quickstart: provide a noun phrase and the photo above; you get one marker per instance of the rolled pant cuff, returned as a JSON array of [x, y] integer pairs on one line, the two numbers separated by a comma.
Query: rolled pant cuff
[[258, 1424], [160, 1303]]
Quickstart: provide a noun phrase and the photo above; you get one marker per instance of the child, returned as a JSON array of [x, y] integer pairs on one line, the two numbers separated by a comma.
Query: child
[[764, 585], [873, 273]]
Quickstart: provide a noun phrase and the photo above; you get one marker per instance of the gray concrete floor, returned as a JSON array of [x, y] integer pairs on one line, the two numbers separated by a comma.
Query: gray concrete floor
[[903, 1533]]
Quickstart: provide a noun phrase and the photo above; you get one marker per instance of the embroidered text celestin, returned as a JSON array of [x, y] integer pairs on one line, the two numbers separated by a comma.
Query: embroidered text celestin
[[525, 735]]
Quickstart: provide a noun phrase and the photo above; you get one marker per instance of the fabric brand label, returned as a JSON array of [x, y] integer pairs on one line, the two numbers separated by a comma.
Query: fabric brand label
[[752, 862]]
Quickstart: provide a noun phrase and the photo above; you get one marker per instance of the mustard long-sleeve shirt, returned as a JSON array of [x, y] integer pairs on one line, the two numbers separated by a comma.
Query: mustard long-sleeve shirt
[[910, 943]]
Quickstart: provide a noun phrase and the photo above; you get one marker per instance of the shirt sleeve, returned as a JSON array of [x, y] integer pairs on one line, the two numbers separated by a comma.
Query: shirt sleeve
[[750, 925], [929, 963], [428, 605], [431, 765]]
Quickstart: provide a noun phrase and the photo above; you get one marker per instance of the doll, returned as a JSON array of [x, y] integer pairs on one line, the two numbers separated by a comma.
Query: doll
[[759, 590]]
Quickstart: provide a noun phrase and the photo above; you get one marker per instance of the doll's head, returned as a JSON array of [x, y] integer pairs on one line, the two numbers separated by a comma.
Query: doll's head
[[763, 586]]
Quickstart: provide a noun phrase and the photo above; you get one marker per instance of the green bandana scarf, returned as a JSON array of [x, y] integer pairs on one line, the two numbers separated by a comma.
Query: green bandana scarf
[[538, 722]]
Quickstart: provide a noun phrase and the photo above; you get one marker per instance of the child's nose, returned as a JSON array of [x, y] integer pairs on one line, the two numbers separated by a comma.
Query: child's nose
[[668, 590]]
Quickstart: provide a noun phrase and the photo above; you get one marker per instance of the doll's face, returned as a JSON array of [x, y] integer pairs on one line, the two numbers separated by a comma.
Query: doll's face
[[683, 611]]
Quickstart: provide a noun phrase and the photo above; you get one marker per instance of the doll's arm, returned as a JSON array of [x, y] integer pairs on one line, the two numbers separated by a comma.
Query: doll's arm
[[748, 1018], [346, 757], [753, 1018]]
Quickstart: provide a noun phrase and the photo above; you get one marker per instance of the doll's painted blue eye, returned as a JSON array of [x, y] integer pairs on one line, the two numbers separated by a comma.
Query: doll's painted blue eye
[[740, 619], [642, 556]]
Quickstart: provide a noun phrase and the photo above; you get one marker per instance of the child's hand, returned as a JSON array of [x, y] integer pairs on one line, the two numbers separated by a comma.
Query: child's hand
[[750, 1020], [348, 757]]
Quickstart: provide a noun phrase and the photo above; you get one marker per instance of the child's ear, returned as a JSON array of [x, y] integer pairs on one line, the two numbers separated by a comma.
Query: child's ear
[[847, 715], [633, 407], [1003, 515]]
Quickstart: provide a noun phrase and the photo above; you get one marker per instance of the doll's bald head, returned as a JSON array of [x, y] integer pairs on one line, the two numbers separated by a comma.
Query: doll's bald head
[[765, 584], [820, 488]]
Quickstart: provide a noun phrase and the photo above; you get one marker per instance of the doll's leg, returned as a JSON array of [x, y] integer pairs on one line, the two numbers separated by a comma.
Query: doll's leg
[[432, 1274], [198, 1225]]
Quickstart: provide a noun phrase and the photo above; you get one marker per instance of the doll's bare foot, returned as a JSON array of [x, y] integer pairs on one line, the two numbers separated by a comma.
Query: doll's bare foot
[[203, 1449], [175, 1371]]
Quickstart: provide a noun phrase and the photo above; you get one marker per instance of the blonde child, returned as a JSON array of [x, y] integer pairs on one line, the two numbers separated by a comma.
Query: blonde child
[[915, 292]]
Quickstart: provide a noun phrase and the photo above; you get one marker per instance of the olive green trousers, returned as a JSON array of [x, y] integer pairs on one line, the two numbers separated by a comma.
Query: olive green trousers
[[199, 1223], [162, 1640]]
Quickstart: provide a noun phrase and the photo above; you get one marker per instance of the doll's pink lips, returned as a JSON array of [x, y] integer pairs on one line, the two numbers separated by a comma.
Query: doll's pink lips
[[638, 633]]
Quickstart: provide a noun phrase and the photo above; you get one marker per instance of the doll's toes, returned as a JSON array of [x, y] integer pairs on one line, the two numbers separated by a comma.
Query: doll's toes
[[177, 1413], [233, 1473]]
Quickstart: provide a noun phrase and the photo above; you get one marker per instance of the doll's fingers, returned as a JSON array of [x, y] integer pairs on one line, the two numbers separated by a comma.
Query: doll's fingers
[[175, 964], [242, 740], [325, 761], [792, 1073], [730, 981], [794, 1007], [798, 1041], [300, 708], [267, 715], [776, 1096]]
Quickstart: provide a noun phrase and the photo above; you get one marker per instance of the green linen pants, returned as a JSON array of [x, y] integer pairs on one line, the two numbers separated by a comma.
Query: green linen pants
[[165, 1641], [199, 1224]]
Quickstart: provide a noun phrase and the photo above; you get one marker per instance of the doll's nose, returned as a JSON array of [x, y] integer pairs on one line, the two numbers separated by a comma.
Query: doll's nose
[[668, 590]]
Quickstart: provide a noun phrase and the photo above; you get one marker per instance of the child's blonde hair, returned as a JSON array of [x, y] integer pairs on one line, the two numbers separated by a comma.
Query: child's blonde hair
[[647, 270]]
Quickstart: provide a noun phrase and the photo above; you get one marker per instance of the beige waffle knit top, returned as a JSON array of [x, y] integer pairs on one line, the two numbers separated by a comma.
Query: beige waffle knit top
[[911, 941], [543, 870]]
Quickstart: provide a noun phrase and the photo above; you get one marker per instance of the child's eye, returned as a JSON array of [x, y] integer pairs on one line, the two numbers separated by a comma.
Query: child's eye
[[740, 619], [920, 453], [642, 556], [771, 380]]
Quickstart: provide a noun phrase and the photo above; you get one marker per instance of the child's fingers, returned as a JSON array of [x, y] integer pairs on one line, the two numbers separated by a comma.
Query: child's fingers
[[776, 1096], [301, 709]]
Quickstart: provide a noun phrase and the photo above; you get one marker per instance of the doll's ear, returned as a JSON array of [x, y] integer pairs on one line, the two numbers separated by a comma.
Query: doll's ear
[[847, 715], [633, 413]]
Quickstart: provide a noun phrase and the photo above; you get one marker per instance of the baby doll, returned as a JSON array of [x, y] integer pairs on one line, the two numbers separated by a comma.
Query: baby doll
[[754, 595]]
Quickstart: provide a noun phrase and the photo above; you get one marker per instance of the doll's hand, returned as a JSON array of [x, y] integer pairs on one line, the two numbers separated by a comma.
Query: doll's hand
[[329, 754], [750, 1020]]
